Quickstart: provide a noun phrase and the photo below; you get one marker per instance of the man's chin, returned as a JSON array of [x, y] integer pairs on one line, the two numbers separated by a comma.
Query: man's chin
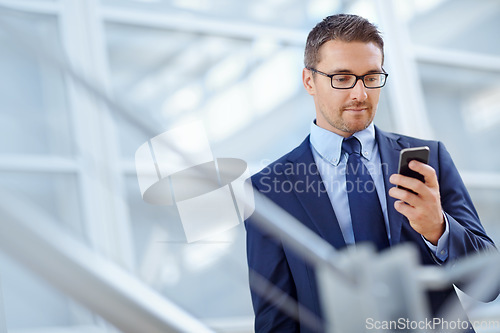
[[353, 128]]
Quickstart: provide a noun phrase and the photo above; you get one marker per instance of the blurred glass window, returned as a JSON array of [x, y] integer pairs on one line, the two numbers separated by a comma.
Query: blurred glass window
[[464, 109], [35, 118]]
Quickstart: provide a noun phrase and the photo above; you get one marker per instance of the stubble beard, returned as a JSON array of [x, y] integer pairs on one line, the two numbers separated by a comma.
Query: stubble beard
[[344, 126]]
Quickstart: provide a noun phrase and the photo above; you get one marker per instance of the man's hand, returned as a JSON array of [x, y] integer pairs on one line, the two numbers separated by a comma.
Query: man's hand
[[422, 209]]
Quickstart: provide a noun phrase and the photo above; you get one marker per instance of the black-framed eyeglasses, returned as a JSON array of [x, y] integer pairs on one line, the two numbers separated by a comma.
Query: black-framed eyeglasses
[[348, 81]]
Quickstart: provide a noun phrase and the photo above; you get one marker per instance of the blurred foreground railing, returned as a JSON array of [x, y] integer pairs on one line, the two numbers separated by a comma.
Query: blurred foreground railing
[[85, 276]]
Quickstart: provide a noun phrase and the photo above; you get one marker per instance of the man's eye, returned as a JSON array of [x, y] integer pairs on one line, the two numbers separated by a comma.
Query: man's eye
[[373, 78], [341, 79]]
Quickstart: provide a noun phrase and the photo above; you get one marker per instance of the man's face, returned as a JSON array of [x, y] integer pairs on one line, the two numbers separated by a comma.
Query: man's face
[[351, 110]]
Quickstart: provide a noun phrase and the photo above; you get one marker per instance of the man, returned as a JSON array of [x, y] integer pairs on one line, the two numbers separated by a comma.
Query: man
[[344, 75]]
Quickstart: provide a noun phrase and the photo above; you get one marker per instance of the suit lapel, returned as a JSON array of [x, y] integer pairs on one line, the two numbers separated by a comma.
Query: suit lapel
[[389, 146], [314, 199]]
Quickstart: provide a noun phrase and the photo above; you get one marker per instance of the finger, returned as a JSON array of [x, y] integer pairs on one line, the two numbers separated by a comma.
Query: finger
[[404, 209], [404, 195], [425, 170], [408, 182]]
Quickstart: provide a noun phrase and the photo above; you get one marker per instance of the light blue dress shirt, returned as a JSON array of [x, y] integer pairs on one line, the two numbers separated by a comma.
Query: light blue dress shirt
[[331, 161]]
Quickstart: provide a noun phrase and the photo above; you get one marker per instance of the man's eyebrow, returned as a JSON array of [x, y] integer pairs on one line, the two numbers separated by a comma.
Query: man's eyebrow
[[347, 71], [375, 71], [342, 71]]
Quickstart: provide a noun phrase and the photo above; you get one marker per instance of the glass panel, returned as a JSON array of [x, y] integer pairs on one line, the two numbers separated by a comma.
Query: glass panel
[[55, 194], [464, 110], [461, 25], [291, 13], [487, 202], [34, 109]]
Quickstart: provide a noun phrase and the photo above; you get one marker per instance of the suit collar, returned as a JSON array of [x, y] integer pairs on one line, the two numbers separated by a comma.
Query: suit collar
[[395, 141]]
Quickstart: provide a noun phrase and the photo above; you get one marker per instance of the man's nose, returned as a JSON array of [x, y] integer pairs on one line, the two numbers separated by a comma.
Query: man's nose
[[358, 92]]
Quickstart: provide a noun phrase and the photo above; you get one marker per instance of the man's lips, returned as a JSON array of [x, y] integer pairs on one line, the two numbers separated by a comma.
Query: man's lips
[[356, 109]]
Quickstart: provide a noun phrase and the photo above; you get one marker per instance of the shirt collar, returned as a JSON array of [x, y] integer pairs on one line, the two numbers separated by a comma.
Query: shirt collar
[[329, 145]]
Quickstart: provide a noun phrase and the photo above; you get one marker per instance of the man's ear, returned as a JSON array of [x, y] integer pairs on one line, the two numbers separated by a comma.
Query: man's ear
[[308, 81]]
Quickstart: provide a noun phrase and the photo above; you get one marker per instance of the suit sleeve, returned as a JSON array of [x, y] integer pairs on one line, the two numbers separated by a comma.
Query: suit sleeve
[[271, 284]]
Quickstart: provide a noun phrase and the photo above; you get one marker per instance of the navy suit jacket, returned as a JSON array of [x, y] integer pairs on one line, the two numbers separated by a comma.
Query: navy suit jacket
[[273, 260]]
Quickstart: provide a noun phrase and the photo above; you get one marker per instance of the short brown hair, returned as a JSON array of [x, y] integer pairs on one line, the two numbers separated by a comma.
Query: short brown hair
[[343, 27]]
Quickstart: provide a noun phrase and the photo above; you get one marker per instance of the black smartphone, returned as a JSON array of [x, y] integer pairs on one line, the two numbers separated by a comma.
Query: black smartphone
[[420, 154]]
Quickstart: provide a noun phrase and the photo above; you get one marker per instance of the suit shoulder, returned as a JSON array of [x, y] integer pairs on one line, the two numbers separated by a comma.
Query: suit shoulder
[[283, 163], [419, 142], [410, 140]]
